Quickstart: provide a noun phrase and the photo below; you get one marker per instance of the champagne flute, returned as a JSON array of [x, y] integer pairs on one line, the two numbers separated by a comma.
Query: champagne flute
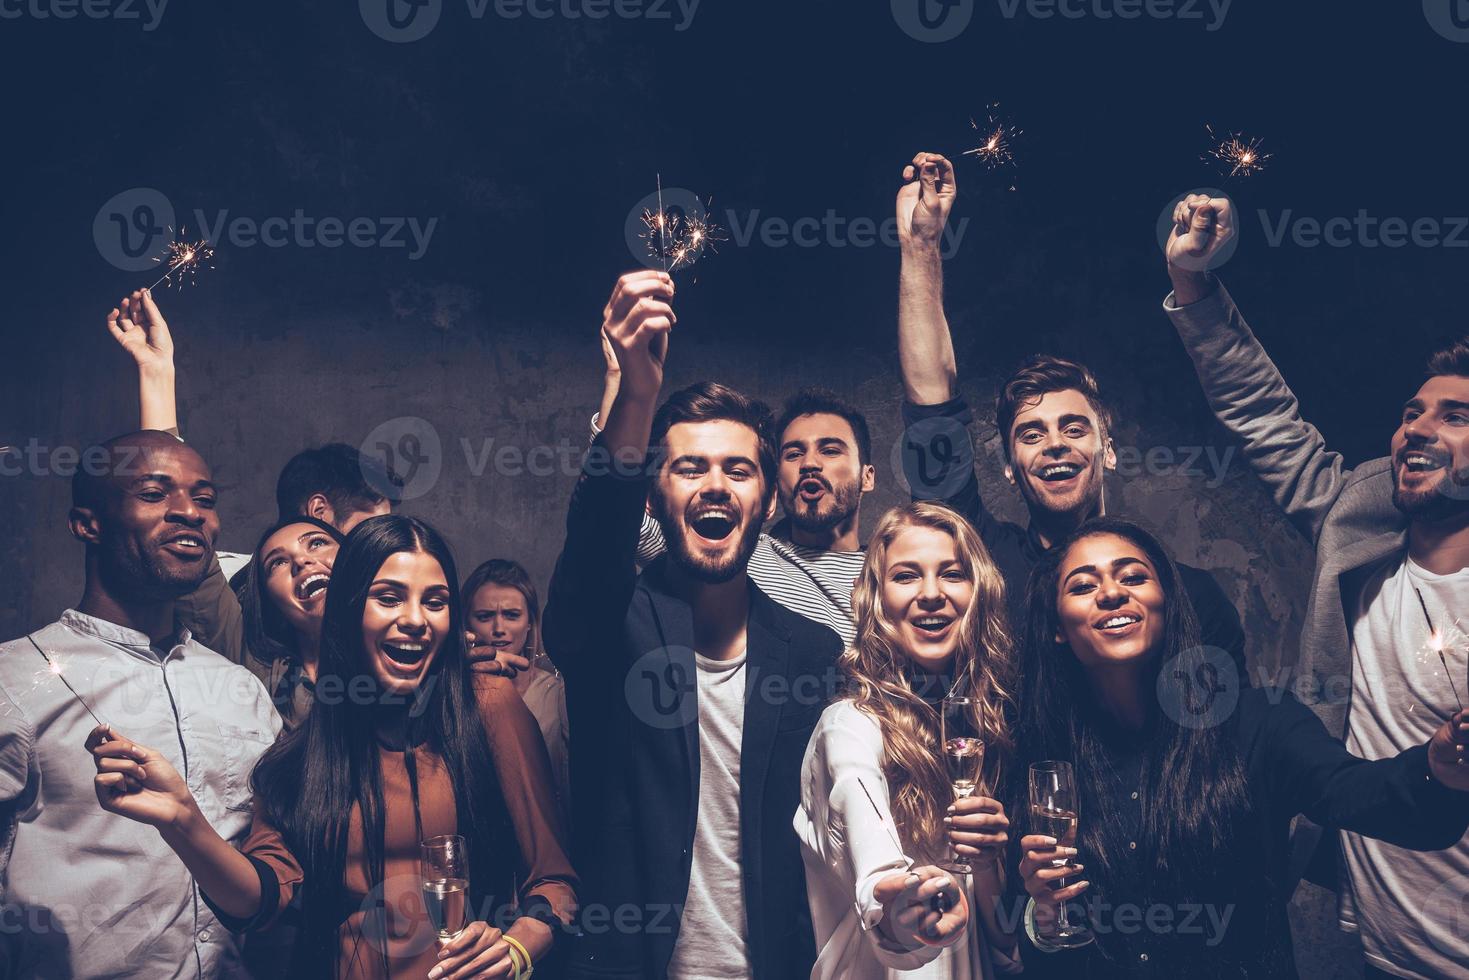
[[964, 753], [444, 869], [1053, 812]]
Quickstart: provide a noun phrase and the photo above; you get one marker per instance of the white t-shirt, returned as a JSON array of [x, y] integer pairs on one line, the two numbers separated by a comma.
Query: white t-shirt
[[1406, 904], [713, 939]]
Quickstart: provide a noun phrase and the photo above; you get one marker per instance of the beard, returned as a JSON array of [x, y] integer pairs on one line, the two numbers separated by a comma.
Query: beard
[[130, 570], [1444, 500], [701, 568], [835, 507]]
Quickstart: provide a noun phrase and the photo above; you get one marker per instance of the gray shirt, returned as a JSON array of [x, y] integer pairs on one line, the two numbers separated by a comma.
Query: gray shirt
[[712, 933], [89, 893]]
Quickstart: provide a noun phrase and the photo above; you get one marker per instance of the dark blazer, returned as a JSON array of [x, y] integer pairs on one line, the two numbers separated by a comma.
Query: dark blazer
[[625, 646]]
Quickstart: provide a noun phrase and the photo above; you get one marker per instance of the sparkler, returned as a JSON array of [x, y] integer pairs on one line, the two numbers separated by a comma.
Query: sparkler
[[183, 259], [678, 240], [1237, 155], [1438, 642], [57, 668], [997, 148]]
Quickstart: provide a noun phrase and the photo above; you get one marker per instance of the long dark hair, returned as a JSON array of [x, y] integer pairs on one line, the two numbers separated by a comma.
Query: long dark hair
[[309, 782], [268, 637], [1197, 815]]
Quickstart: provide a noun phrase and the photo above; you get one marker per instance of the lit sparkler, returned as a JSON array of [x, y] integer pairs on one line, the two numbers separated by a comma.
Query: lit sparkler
[[183, 259], [1237, 155], [57, 668], [998, 146], [678, 240], [1438, 641]]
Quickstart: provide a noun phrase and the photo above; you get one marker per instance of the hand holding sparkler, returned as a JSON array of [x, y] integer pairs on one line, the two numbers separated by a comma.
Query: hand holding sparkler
[[139, 328], [913, 900], [1447, 752], [636, 322], [925, 200], [1202, 227], [137, 782]]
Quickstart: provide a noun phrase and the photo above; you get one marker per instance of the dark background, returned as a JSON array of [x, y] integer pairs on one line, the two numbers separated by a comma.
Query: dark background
[[530, 140]]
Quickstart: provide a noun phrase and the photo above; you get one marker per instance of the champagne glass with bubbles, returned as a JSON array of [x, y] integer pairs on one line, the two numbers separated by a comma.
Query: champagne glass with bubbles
[[964, 755], [1053, 812], [444, 868]]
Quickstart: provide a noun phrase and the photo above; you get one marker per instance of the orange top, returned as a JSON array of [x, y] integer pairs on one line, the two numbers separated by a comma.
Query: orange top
[[524, 772]]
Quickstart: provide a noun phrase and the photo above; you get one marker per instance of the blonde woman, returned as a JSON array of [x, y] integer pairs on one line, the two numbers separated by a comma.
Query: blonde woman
[[877, 810]]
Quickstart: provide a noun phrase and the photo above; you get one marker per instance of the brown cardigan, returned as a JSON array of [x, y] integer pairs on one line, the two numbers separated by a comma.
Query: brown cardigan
[[525, 780]]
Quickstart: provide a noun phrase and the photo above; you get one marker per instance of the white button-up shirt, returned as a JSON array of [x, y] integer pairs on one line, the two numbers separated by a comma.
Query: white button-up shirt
[[84, 892]]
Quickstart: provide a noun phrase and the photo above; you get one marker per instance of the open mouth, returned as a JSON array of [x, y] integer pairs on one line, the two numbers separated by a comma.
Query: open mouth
[[1415, 461], [714, 525], [1059, 472], [405, 654], [312, 587], [811, 489], [1118, 623], [188, 545], [932, 625]]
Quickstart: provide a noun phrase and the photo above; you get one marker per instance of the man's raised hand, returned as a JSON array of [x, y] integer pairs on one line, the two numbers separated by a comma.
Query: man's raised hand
[[925, 200], [1202, 227], [636, 322]]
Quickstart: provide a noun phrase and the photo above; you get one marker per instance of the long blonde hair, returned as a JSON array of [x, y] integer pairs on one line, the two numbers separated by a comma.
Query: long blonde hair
[[878, 683]]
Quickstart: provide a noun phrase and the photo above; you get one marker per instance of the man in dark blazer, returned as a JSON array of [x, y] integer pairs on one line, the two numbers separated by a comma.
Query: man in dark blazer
[[691, 694]]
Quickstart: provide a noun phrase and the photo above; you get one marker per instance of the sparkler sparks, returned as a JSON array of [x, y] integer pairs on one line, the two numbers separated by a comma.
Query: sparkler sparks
[[998, 146], [676, 239], [57, 668], [183, 259], [1452, 639], [1237, 155]]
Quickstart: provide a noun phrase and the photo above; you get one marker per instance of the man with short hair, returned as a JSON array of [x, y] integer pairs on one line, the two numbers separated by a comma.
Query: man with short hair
[[85, 894], [692, 692], [1055, 430], [335, 483], [1391, 582]]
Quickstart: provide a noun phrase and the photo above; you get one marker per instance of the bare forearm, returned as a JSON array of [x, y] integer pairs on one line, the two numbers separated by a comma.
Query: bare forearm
[[223, 873], [987, 893], [925, 348], [611, 381], [628, 423], [157, 404], [1190, 287]]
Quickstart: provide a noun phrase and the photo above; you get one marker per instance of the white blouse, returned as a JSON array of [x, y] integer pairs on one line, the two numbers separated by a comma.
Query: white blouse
[[847, 848]]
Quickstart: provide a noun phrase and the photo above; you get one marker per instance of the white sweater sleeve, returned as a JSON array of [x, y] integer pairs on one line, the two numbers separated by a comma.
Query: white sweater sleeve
[[859, 825]]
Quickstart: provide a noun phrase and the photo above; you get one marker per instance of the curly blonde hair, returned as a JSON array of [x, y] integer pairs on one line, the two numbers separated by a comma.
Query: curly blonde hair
[[876, 674]]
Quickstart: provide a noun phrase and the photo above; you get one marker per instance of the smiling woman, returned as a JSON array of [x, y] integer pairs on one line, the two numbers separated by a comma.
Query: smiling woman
[[399, 746], [1187, 785]]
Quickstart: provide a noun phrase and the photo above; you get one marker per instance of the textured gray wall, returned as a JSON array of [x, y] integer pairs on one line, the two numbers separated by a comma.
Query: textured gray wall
[[258, 383]]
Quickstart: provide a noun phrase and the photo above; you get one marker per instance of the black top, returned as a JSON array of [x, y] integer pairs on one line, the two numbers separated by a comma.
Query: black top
[[1292, 766], [625, 646], [938, 460]]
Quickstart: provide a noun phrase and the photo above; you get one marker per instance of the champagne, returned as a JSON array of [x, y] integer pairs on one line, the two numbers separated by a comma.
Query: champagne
[[966, 757], [446, 900], [1060, 824]]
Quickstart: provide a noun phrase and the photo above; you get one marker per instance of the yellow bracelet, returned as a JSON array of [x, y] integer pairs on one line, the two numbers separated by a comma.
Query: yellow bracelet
[[514, 947]]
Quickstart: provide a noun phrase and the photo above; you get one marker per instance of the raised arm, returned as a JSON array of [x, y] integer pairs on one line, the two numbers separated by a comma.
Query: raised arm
[[595, 574], [1243, 387], [140, 329], [925, 349]]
